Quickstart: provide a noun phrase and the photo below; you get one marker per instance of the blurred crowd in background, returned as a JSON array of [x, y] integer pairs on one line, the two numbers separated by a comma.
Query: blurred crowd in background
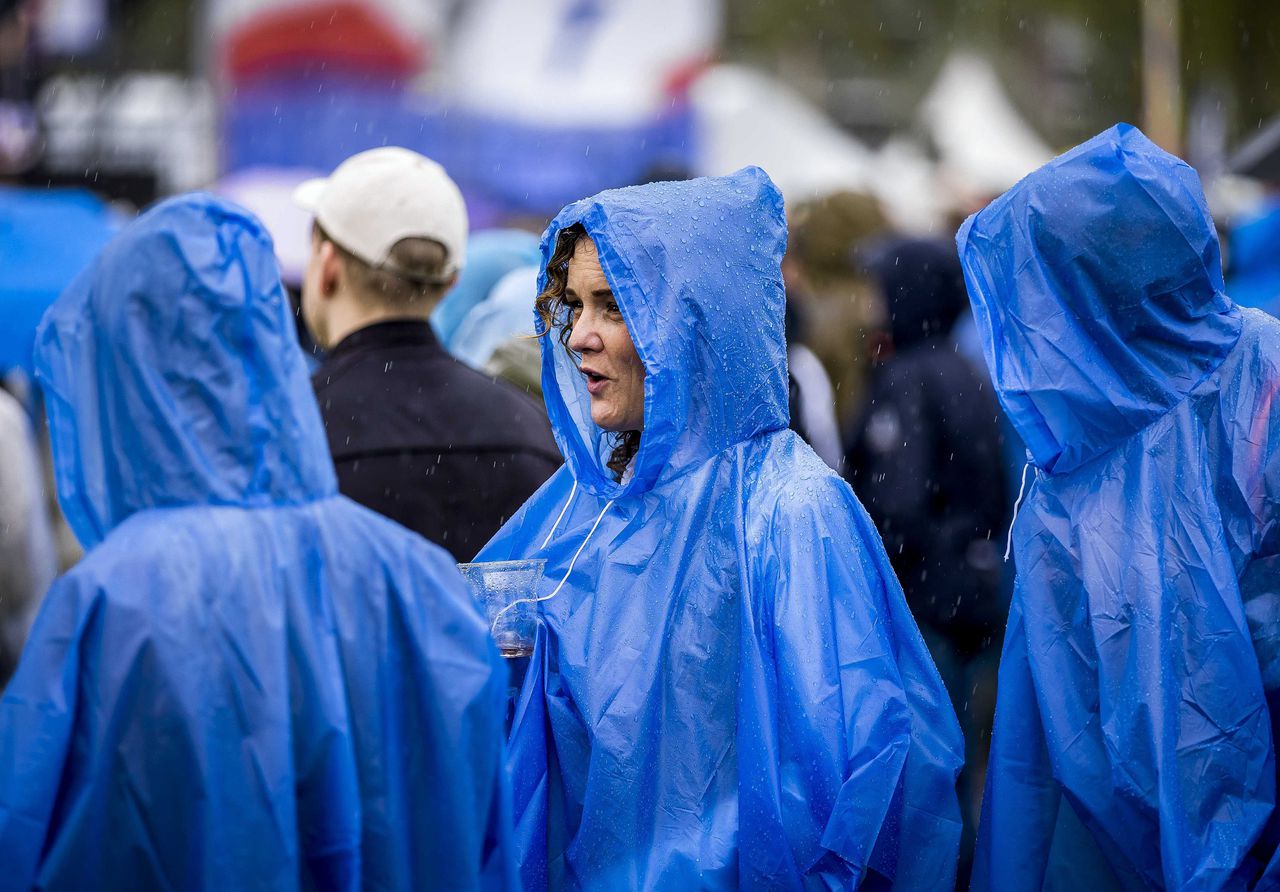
[[884, 124]]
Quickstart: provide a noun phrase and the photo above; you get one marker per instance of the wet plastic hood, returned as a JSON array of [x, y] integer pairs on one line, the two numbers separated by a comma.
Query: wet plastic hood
[[170, 378], [1097, 286], [669, 250]]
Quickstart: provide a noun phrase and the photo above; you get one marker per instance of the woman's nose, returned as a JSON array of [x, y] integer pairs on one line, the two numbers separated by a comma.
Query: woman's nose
[[584, 338]]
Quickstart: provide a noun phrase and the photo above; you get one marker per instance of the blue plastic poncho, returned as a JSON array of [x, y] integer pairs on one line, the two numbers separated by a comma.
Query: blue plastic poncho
[[491, 254], [731, 692], [46, 237], [502, 317], [249, 681], [1255, 259], [1133, 746]]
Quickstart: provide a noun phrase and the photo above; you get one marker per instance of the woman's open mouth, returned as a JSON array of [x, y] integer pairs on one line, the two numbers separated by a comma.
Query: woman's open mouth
[[595, 380]]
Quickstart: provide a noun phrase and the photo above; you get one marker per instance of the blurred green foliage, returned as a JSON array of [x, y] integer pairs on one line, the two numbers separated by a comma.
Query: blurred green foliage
[[1073, 67]]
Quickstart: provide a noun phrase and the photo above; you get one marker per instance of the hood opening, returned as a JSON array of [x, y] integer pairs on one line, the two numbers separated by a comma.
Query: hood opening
[[695, 267]]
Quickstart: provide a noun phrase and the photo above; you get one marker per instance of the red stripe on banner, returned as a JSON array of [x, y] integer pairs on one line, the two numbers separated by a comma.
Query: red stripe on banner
[[344, 35]]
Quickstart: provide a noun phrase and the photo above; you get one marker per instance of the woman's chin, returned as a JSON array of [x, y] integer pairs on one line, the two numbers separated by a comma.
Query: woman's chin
[[613, 426], [612, 422]]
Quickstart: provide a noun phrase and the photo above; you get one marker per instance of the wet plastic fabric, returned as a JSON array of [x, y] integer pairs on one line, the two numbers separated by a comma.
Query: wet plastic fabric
[[1133, 746], [490, 256], [502, 317], [730, 692], [249, 681]]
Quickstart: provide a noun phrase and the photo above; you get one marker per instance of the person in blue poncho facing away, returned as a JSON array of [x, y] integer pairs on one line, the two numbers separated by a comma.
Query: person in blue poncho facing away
[[250, 682], [729, 691], [1255, 258], [1134, 743]]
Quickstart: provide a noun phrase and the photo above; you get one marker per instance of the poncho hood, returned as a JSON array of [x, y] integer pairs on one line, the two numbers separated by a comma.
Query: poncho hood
[[173, 376], [670, 252], [1096, 283]]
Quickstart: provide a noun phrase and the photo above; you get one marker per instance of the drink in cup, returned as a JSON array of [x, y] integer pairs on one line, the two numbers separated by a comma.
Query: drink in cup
[[507, 592]]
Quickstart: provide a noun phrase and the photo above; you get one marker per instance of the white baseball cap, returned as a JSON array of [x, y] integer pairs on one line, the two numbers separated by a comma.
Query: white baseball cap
[[376, 198]]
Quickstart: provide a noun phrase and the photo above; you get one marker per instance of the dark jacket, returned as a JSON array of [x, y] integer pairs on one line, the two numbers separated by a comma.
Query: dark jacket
[[426, 441], [925, 455]]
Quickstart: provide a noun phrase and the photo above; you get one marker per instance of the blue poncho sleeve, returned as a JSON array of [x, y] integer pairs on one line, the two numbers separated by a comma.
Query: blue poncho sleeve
[[35, 732], [859, 749]]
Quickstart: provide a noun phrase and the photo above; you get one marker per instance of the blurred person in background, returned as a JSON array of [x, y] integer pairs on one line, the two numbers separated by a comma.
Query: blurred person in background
[[925, 457], [486, 319], [1139, 696], [728, 690], [491, 255], [1254, 242], [21, 141], [813, 399], [831, 289], [415, 434], [27, 557], [249, 680], [498, 335], [1255, 257]]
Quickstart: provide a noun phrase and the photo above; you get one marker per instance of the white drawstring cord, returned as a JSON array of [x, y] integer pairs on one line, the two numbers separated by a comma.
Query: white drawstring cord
[[555, 526], [494, 625], [1008, 545]]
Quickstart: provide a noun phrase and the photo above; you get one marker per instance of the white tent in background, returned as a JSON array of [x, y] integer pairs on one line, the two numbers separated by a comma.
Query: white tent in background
[[985, 145], [745, 116]]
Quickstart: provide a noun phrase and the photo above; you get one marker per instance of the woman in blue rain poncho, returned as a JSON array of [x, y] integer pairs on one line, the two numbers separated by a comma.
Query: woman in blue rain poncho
[[249, 682], [730, 692], [1134, 739]]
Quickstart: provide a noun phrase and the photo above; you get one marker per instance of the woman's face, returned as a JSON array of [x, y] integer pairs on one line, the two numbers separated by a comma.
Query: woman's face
[[607, 357]]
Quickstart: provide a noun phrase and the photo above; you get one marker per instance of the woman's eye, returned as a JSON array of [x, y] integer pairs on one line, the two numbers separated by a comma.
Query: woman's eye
[[613, 308]]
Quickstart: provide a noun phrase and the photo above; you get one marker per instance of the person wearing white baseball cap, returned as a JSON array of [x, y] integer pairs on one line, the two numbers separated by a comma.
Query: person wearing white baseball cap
[[415, 435], [400, 216]]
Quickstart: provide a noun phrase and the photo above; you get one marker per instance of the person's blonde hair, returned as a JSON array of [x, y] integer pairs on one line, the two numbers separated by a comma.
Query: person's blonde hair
[[414, 273]]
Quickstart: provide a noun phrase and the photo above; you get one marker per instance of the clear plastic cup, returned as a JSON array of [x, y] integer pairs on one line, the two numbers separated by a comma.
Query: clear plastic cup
[[507, 592]]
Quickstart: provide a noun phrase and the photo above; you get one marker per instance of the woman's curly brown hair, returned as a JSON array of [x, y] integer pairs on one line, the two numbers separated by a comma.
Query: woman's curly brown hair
[[554, 314]]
